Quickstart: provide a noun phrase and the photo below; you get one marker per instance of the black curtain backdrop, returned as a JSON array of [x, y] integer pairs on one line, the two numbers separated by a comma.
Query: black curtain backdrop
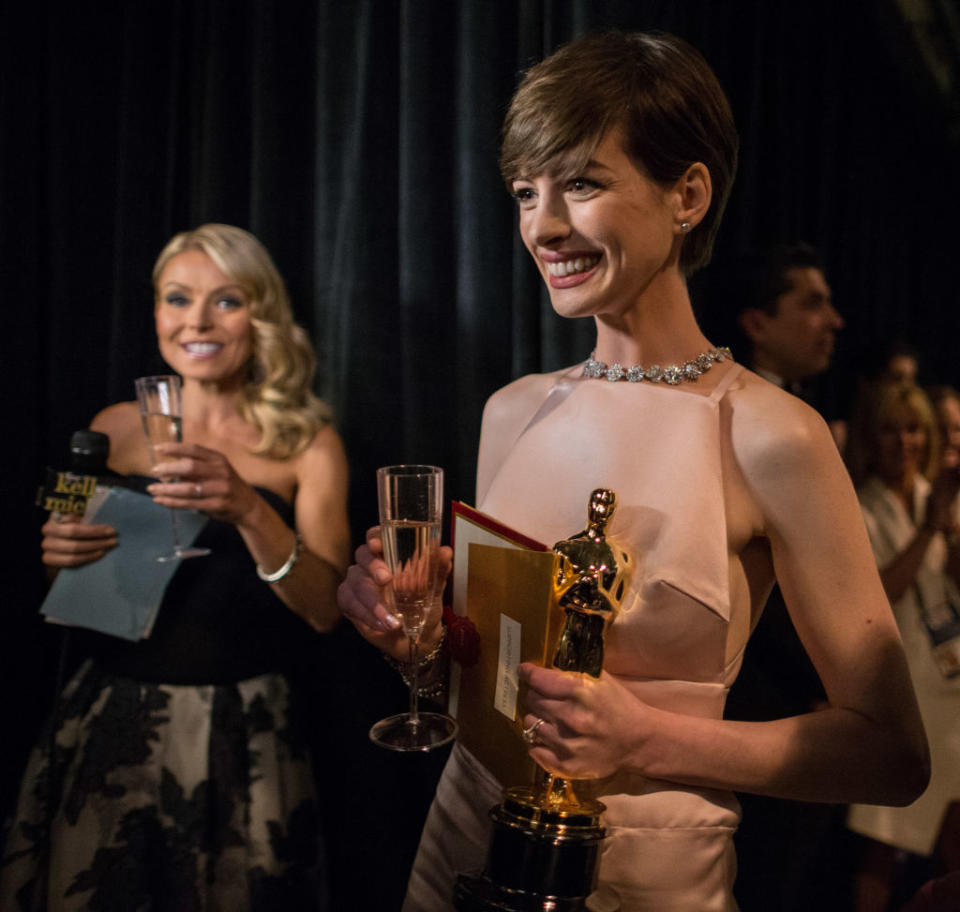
[[358, 140]]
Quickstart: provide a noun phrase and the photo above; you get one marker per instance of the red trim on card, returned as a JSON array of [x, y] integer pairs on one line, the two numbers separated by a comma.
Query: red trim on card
[[457, 508]]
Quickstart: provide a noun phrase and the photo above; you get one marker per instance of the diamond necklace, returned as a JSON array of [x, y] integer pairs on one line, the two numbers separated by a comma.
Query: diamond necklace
[[672, 374]]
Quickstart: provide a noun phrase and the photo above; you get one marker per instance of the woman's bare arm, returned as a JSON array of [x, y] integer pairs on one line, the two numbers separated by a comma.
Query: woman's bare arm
[[309, 589]]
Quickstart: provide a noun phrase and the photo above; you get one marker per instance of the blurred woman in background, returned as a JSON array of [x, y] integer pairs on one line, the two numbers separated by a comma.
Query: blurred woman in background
[[178, 777], [907, 494], [946, 404]]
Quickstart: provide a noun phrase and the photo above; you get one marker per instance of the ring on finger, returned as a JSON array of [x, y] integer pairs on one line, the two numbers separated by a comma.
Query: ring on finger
[[530, 734], [198, 490]]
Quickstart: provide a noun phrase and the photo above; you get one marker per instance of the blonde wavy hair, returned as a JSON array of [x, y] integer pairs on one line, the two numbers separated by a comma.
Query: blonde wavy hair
[[276, 398]]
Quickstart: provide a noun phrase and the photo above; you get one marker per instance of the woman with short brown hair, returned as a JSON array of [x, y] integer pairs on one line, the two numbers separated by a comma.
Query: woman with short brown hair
[[619, 151]]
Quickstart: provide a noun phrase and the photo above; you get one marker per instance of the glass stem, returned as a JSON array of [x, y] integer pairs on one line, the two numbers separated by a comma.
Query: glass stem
[[414, 679], [175, 529]]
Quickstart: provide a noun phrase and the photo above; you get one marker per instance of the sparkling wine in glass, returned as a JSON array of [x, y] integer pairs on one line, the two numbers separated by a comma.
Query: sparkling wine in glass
[[411, 507], [160, 411]]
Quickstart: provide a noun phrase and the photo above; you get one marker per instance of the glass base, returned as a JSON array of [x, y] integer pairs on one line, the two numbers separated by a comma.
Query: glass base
[[183, 554], [401, 733]]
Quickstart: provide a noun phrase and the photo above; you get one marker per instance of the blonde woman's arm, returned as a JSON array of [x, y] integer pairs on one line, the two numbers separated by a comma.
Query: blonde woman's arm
[[306, 573]]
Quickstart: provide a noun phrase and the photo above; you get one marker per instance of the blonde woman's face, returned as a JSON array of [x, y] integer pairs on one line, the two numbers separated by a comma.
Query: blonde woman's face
[[948, 418], [901, 444], [202, 319]]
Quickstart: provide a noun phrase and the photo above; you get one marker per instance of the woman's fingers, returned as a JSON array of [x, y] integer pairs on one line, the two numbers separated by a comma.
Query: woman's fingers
[[198, 478], [187, 468], [590, 725], [445, 566], [549, 682], [553, 749], [61, 560], [369, 558], [188, 493], [190, 461], [186, 450], [360, 599], [77, 545], [555, 696], [546, 735], [71, 543], [68, 528]]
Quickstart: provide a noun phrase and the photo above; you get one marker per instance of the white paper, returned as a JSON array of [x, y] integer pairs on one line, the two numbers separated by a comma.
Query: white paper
[[505, 698]]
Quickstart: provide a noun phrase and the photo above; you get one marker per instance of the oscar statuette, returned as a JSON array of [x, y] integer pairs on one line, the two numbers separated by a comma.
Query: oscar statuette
[[546, 841]]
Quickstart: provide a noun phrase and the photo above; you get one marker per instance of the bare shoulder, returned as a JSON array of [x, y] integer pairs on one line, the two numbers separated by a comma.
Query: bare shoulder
[[771, 429], [128, 444], [119, 418], [324, 456], [790, 464]]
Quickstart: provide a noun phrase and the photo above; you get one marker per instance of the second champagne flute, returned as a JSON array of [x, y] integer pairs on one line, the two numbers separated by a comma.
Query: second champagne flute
[[160, 410], [411, 507]]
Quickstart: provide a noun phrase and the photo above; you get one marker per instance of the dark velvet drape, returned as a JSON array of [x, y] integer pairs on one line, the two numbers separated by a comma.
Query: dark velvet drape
[[358, 140]]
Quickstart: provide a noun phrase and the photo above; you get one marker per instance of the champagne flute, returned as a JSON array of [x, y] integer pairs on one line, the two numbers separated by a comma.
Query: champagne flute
[[160, 411], [411, 506]]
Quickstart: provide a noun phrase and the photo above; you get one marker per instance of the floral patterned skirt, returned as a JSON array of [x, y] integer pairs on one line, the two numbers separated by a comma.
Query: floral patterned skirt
[[172, 798]]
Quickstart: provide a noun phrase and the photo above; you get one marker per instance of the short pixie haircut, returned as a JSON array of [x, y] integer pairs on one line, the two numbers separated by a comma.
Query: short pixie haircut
[[277, 397], [656, 88]]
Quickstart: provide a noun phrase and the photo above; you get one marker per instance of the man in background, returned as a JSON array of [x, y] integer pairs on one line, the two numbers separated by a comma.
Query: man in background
[[787, 315]]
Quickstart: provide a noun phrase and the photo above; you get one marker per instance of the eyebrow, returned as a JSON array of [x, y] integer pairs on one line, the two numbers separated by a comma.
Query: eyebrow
[[565, 172], [221, 289], [593, 163]]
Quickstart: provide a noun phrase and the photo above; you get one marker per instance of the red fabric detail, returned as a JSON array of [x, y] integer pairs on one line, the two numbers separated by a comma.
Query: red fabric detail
[[463, 641]]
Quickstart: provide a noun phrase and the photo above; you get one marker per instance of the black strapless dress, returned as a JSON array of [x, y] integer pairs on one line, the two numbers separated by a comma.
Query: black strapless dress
[[180, 778]]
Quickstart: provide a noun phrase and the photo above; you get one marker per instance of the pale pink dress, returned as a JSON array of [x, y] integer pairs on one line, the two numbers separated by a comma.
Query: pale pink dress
[[669, 847]]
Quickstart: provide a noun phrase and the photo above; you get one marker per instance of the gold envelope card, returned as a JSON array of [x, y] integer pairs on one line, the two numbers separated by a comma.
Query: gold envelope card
[[502, 583]]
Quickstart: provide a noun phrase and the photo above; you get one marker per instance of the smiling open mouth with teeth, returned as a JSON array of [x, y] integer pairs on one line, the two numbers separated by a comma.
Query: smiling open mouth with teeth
[[203, 348], [571, 267]]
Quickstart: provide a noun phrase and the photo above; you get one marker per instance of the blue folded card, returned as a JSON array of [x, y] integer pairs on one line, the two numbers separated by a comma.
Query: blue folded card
[[121, 593]]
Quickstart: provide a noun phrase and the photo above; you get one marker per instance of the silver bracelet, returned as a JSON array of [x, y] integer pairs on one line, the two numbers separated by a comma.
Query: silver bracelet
[[424, 662], [291, 562]]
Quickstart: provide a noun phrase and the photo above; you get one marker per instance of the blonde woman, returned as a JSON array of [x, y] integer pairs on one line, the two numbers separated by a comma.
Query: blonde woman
[[946, 403], [907, 495], [179, 778]]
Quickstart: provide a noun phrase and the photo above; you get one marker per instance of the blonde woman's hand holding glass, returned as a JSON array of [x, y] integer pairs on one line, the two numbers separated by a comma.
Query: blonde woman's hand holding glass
[[195, 477]]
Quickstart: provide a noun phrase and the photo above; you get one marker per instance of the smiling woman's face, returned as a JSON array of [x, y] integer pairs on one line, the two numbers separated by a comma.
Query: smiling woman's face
[[901, 446], [202, 319], [599, 237], [948, 418]]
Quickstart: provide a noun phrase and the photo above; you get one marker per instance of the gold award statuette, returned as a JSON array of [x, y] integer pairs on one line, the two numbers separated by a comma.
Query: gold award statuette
[[546, 841]]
